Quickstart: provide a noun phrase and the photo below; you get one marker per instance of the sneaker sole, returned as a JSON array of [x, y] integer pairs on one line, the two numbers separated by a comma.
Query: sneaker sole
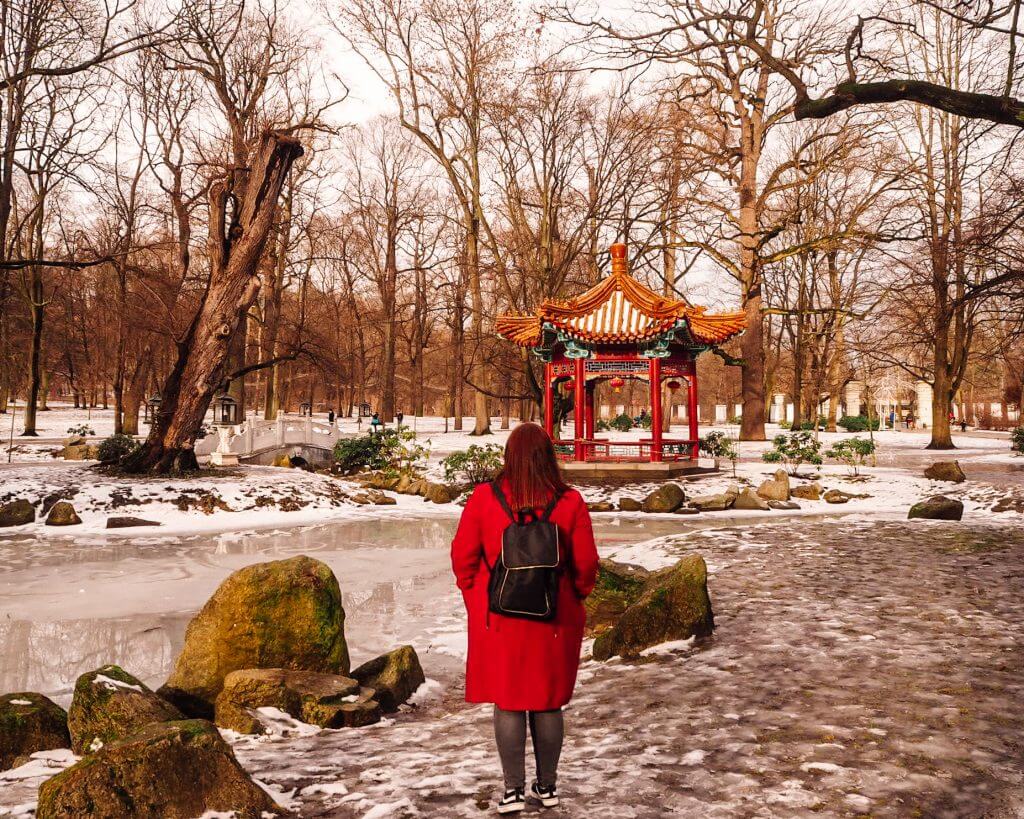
[[549, 803], [517, 808]]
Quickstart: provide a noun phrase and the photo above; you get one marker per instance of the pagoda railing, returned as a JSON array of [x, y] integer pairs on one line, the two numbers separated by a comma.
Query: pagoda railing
[[603, 451]]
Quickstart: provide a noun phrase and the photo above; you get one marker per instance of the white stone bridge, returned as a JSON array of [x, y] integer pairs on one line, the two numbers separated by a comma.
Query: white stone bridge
[[260, 442]]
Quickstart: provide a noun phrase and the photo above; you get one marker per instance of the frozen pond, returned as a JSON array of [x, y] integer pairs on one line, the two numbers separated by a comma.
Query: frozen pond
[[68, 605]]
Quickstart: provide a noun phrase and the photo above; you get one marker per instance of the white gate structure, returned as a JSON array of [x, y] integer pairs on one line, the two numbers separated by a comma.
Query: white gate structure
[[255, 437]]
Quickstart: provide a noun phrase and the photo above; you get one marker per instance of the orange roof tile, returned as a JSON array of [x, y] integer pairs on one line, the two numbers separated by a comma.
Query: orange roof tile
[[619, 310]]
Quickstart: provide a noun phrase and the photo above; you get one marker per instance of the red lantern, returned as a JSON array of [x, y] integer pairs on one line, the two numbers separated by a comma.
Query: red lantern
[[617, 383], [673, 385], [568, 386]]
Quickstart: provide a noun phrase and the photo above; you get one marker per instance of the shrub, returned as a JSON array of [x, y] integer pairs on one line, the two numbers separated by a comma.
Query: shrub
[[854, 452], [81, 429], [602, 425], [644, 421], [478, 464], [391, 450], [718, 445], [793, 451], [1017, 440], [114, 448], [856, 423], [735, 421], [623, 423], [785, 425]]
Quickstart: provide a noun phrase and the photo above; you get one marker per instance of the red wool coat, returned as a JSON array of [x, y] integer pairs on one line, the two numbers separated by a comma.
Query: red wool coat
[[523, 665]]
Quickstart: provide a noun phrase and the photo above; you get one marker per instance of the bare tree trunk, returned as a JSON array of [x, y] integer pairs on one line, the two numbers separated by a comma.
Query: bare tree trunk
[[36, 307], [235, 248]]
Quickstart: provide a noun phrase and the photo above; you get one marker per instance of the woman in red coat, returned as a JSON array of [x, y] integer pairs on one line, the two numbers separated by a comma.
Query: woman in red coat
[[527, 668]]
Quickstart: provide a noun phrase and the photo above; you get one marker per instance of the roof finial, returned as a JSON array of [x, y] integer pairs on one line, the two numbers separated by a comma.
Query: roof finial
[[620, 266]]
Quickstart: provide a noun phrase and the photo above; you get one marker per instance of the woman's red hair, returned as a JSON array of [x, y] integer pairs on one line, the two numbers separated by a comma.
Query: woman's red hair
[[531, 474]]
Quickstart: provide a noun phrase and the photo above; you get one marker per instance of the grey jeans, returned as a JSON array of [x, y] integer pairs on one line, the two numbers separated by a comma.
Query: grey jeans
[[546, 729]]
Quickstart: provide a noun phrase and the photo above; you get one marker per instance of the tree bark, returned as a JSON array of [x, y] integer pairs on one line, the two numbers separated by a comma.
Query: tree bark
[[235, 247]]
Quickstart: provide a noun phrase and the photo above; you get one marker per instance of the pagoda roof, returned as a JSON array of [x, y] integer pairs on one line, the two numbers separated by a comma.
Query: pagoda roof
[[619, 310]]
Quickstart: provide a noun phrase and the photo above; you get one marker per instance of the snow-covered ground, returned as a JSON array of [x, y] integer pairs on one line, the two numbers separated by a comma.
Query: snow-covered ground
[[861, 665]]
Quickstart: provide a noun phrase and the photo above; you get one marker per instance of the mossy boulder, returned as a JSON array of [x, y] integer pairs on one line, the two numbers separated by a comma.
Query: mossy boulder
[[169, 770], [937, 507], [62, 513], [109, 704], [674, 605], [281, 614], [666, 498], [713, 503], [81, 451], [948, 471], [30, 722], [837, 496], [327, 700], [630, 505], [618, 586], [129, 522], [601, 506], [17, 513], [395, 676]]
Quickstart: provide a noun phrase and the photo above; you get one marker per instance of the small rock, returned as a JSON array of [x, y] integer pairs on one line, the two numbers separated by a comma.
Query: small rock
[[298, 462], [748, 499], [601, 506], [837, 496], [630, 505], [807, 491], [167, 770], [395, 676], [17, 513], [775, 488], [949, 471], [128, 522], [666, 498], [937, 507], [783, 505], [109, 704], [686, 510], [30, 722], [81, 452], [713, 503], [318, 699], [62, 513], [437, 493]]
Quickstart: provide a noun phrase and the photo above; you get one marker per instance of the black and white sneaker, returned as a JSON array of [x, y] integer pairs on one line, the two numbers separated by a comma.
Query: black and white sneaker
[[548, 796], [514, 801]]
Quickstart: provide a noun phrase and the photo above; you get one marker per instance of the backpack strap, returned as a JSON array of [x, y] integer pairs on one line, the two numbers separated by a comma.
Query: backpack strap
[[546, 514], [501, 500]]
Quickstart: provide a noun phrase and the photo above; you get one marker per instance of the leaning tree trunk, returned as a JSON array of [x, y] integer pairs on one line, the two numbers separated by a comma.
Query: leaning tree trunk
[[235, 247]]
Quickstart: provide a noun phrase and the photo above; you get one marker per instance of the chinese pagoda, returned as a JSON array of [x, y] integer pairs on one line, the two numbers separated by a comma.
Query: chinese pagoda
[[620, 329]]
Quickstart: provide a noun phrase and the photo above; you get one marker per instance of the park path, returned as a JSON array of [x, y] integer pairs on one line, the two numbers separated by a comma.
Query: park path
[[857, 668]]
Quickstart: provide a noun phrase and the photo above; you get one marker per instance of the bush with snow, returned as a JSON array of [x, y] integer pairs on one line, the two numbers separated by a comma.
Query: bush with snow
[[855, 452], [114, 448], [794, 450], [1017, 440], [478, 464]]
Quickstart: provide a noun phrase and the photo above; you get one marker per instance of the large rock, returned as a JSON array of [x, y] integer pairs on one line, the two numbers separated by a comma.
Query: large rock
[[713, 503], [170, 770], [109, 704], [81, 452], [749, 499], [62, 513], [776, 487], [281, 614], [666, 498], [600, 506], [395, 676], [618, 586], [807, 491], [327, 700], [937, 507], [630, 505], [17, 513], [946, 471], [837, 496], [128, 522], [674, 605], [30, 722]]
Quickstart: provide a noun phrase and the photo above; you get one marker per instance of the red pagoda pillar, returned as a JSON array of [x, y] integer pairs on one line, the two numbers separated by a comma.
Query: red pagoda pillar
[[549, 400], [654, 375], [580, 384], [692, 405], [588, 414]]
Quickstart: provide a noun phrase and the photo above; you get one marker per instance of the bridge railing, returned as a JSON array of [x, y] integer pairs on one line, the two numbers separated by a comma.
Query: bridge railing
[[256, 435]]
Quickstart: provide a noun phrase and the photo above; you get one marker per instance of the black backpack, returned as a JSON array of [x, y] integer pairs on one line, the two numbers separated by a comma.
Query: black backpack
[[524, 578]]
